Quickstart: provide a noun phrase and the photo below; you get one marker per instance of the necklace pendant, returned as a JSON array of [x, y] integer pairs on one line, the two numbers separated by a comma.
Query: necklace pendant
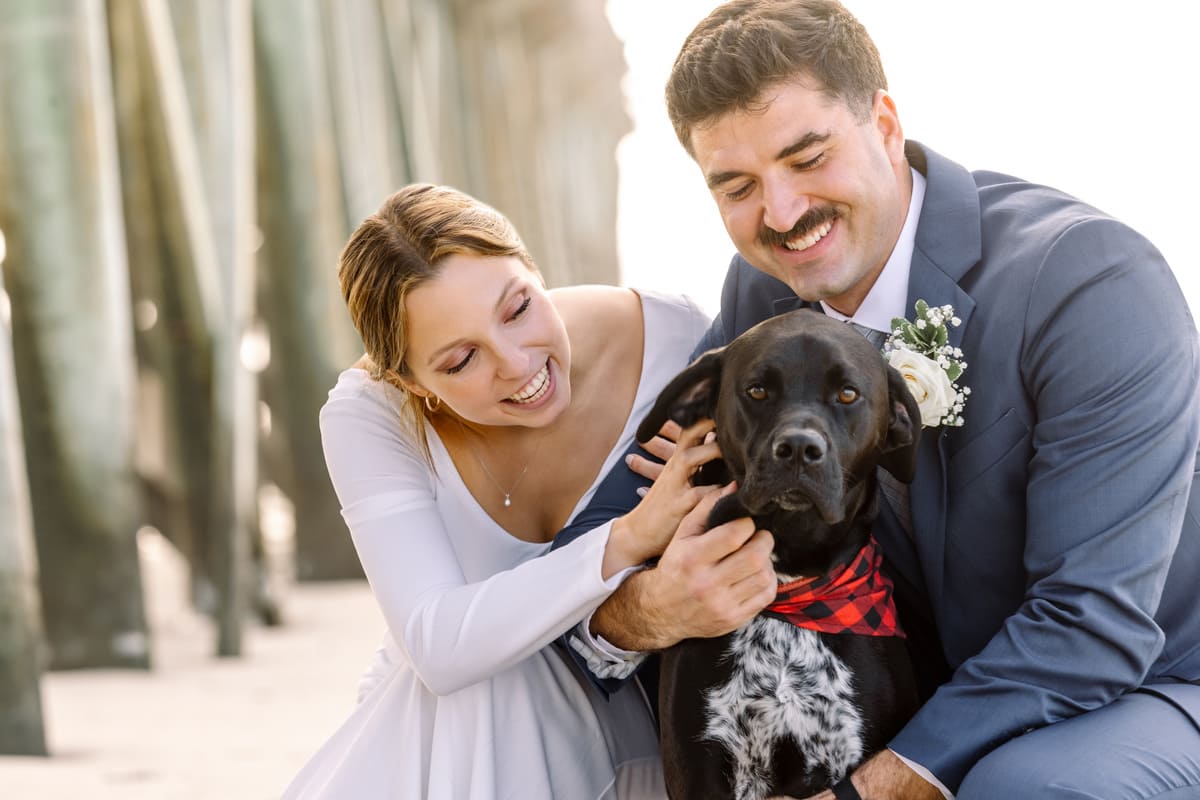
[[507, 501]]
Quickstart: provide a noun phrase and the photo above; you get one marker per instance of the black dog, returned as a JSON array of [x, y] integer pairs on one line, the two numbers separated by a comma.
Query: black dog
[[805, 409]]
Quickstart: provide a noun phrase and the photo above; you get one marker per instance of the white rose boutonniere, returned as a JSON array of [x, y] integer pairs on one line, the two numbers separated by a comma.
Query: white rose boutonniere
[[920, 352]]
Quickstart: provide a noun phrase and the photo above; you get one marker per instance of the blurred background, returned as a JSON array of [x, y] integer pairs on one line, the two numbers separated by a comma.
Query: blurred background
[[181, 613]]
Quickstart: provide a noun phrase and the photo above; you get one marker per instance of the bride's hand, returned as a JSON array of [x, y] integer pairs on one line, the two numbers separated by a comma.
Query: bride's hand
[[661, 447], [650, 525]]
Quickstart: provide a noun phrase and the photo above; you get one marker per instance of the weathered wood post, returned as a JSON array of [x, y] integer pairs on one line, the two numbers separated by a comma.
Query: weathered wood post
[[174, 340], [304, 228], [186, 88], [543, 113], [21, 646], [227, 151], [72, 333]]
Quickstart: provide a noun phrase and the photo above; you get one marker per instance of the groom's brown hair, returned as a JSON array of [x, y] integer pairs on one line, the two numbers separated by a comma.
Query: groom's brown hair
[[745, 47]]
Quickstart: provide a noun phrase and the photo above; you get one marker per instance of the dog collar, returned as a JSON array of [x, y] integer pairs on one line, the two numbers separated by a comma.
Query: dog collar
[[857, 599]]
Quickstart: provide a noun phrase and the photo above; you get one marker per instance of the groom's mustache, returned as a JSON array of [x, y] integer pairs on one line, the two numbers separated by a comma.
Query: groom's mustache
[[812, 219]]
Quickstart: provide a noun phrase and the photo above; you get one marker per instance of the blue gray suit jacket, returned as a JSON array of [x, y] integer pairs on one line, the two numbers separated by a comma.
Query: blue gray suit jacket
[[1056, 544]]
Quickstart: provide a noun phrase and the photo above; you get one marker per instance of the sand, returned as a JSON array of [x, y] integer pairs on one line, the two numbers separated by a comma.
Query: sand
[[197, 727]]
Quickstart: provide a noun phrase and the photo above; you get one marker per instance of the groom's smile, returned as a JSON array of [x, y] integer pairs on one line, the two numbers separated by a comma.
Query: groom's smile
[[811, 228]]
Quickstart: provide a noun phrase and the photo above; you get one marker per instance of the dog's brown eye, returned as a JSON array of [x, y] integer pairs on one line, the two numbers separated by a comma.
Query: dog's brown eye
[[847, 395], [756, 392]]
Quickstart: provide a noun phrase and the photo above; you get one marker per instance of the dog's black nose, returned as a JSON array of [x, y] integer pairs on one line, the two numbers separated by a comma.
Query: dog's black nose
[[803, 446]]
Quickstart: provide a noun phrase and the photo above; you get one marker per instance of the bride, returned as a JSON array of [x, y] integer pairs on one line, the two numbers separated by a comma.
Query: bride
[[477, 425]]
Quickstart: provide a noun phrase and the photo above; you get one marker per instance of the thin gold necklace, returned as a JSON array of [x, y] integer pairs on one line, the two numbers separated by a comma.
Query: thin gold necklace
[[488, 472]]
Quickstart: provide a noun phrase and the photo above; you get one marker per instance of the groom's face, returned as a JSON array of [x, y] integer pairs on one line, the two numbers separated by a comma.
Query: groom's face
[[810, 192]]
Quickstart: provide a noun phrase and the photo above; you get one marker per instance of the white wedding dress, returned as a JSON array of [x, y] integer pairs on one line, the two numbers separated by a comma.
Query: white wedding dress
[[468, 699]]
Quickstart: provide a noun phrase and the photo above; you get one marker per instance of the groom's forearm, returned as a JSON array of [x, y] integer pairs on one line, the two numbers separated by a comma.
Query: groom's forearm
[[705, 584], [630, 618]]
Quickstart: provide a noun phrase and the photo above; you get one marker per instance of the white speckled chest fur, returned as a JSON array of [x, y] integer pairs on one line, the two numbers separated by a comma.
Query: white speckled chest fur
[[785, 683]]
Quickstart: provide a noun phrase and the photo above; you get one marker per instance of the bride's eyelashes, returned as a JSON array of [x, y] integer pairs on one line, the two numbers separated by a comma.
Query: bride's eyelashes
[[461, 365]]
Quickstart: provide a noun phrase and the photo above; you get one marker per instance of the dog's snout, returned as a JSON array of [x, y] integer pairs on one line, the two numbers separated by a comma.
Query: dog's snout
[[801, 446]]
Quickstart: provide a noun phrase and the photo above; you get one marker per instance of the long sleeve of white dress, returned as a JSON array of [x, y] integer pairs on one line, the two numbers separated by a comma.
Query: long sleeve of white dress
[[453, 631]]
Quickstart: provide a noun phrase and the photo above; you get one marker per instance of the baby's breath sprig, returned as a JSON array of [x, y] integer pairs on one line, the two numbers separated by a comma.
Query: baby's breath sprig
[[920, 349]]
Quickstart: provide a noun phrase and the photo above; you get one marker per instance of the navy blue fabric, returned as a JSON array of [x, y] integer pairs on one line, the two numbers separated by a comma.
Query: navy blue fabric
[[1154, 754], [615, 496]]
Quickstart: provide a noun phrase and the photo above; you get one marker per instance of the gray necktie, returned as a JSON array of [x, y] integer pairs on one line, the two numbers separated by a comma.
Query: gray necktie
[[894, 492]]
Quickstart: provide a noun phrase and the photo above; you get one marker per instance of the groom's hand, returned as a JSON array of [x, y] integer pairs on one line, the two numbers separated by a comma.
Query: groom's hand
[[706, 584], [884, 777]]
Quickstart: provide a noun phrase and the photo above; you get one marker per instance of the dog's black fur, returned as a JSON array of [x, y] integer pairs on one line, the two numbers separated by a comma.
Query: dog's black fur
[[805, 410]]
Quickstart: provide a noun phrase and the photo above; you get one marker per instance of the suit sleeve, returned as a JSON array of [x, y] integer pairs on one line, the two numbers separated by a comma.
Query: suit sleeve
[[713, 338], [614, 497], [1109, 361]]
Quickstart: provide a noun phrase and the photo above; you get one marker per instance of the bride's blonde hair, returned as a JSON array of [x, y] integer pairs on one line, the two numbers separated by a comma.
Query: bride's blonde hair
[[400, 247]]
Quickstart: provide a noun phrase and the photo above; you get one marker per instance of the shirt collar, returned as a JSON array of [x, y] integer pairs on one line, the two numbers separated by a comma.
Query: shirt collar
[[889, 295]]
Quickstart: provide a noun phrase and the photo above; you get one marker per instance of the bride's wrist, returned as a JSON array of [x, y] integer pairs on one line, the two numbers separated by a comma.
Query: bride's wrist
[[624, 549]]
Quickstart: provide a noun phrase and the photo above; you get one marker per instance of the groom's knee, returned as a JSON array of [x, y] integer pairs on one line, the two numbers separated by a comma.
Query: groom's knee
[[1017, 769], [1139, 746]]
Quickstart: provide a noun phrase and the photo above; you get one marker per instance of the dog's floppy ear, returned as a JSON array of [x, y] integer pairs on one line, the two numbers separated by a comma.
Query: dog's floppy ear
[[690, 396], [904, 429]]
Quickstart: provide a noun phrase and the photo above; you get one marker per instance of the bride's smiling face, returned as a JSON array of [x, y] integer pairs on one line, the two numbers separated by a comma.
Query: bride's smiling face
[[486, 339]]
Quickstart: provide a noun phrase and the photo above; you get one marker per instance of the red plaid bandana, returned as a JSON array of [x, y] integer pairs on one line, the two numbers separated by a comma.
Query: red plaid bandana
[[858, 599]]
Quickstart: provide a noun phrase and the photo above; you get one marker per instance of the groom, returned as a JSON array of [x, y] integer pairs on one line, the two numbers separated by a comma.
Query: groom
[[1047, 552]]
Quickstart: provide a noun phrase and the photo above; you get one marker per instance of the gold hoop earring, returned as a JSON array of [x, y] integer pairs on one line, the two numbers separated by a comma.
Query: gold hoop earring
[[435, 405]]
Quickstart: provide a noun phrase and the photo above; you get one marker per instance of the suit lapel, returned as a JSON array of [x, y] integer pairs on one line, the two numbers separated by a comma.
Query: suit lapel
[[947, 246], [785, 304]]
